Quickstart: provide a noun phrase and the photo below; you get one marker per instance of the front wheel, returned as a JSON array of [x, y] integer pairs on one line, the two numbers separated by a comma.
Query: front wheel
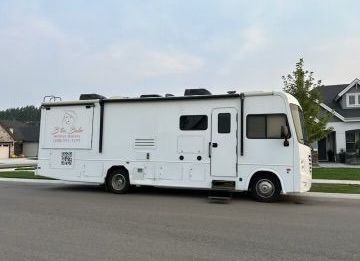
[[266, 189], [118, 182]]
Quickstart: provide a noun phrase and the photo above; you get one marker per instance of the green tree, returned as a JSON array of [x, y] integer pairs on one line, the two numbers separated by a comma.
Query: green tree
[[24, 114], [302, 85]]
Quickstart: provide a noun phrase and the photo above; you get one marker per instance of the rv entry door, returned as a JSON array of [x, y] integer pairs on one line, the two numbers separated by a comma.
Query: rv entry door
[[223, 145]]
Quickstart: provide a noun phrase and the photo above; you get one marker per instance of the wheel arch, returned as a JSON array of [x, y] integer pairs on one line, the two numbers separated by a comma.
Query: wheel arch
[[116, 167], [259, 172]]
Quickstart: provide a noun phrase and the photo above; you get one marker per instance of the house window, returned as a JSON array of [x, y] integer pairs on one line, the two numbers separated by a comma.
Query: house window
[[350, 141], [353, 100], [265, 126], [193, 122]]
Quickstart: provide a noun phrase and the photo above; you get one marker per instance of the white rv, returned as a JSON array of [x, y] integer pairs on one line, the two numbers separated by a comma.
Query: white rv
[[238, 142]]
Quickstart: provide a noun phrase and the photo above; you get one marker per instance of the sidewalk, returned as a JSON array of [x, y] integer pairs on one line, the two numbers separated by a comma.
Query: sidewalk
[[16, 163], [336, 165], [44, 181]]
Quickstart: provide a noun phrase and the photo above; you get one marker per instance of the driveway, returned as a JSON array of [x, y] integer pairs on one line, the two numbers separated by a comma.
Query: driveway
[[77, 222]]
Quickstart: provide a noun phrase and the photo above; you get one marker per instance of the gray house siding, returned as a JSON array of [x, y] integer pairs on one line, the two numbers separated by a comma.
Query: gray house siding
[[30, 149], [354, 89], [345, 123]]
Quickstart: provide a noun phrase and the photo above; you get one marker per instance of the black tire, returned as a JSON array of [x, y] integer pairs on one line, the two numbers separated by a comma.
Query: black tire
[[118, 181], [265, 188]]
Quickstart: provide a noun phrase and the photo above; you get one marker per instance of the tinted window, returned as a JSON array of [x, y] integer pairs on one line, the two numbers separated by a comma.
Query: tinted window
[[256, 126], [273, 126], [224, 122], [265, 126], [193, 122], [298, 118]]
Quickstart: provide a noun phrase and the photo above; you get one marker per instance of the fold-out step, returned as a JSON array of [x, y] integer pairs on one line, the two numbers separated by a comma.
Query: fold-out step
[[221, 196], [223, 185]]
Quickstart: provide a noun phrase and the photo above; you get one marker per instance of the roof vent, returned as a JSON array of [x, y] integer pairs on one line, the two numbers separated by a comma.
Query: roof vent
[[150, 95], [91, 96], [169, 95], [189, 92]]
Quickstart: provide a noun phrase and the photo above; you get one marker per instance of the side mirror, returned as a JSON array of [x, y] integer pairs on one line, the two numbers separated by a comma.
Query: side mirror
[[285, 133]]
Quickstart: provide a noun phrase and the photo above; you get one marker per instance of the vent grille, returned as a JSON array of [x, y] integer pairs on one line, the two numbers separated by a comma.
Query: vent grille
[[144, 143]]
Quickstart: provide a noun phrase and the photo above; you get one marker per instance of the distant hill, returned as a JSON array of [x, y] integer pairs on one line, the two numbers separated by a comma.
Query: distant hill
[[24, 114]]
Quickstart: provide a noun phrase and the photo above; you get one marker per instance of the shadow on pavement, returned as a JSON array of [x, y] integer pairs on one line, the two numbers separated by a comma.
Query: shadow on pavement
[[173, 192]]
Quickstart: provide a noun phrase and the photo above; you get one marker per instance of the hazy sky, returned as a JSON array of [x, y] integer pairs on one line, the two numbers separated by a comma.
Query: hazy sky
[[126, 48]]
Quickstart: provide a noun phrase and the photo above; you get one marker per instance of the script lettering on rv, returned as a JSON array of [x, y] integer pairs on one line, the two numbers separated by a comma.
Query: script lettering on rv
[[68, 132]]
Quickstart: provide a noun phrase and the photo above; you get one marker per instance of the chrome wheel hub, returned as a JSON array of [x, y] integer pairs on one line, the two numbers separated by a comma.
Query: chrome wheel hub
[[265, 188], [118, 182]]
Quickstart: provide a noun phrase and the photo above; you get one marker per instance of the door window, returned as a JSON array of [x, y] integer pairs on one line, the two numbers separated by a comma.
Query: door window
[[224, 122]]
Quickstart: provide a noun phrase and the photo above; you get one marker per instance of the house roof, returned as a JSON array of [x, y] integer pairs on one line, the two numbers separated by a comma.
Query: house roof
[[330, 94], [345, 90], [22, 131]]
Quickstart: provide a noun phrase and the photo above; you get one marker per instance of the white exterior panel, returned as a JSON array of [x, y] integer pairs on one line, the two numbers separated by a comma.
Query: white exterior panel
[[145, 138]]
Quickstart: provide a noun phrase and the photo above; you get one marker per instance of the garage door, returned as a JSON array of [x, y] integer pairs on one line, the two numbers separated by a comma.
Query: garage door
[[4, 151]]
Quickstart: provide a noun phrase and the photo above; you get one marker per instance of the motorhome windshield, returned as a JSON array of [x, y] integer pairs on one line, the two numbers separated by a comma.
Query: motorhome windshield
[[298, 118]]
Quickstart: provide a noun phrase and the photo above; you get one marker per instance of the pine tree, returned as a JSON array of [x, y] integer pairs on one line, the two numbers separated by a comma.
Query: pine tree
[[302, 85], [24, 114]]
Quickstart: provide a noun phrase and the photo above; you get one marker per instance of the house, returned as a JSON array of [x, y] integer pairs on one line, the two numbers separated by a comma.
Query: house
[[19, 139], [343, 101]]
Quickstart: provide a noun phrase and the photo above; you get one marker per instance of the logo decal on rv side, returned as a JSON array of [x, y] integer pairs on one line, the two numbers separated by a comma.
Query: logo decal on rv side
[[68, 131]]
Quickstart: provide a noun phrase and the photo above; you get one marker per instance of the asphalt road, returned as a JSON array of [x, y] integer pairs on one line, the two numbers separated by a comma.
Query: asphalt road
[[75, 222]]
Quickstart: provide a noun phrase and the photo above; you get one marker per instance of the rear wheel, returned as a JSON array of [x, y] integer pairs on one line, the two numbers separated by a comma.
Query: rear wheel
[[266, 188], [118, 182]]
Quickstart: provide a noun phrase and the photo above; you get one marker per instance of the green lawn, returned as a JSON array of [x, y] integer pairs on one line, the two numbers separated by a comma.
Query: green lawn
[[20, 174], [336, 173], [336, 188]]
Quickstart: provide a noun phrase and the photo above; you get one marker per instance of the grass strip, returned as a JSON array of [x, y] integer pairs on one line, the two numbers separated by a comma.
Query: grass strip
[[20, 175], [336, 188], [336, 173]]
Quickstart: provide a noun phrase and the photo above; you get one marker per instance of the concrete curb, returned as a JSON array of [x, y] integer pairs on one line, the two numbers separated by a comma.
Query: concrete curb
[[335, 181], [328, 195]]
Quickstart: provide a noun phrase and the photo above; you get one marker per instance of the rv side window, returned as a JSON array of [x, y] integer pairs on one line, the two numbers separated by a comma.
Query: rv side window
[[193, 122], [224, 122], [265, 126], [256, 127]]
